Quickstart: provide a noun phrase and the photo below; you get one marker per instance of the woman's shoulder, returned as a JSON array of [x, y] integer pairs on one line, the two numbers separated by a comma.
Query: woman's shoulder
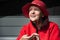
[[53, 24], [26, 25]]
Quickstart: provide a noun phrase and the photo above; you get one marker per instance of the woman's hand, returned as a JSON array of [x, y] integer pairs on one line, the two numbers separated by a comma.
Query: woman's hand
[[25, 37], [33, 36]]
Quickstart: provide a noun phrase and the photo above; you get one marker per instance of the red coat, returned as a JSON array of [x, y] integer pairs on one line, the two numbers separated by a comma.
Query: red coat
[[50, 32]]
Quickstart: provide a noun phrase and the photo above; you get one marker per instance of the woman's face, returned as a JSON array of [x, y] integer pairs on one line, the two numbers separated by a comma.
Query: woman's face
[[34, 13]]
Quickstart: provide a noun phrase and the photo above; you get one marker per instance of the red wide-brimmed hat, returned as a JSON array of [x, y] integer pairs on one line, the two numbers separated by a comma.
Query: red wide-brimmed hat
[[40, 4]]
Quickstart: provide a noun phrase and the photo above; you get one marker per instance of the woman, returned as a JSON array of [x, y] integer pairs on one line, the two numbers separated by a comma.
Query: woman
[[39, 27]]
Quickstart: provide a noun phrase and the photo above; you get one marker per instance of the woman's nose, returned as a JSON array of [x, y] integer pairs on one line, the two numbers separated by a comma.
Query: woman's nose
[[33, 12]]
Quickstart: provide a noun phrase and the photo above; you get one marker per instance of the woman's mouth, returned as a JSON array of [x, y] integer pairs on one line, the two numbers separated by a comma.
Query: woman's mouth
[[33, 16]]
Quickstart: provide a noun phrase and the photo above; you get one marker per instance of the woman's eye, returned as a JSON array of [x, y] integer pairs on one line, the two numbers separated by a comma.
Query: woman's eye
[[37, 9], [30, 9], [34, 9]]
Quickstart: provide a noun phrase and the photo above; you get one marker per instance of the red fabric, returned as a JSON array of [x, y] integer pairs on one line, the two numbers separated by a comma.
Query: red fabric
[[51, 33]]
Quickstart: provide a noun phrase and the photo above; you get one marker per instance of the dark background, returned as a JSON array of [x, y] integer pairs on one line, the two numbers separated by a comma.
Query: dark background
[[13, 7]]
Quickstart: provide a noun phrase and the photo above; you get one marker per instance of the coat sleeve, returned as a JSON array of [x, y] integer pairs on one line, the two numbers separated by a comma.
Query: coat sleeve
[[55, 33], [21, 33]]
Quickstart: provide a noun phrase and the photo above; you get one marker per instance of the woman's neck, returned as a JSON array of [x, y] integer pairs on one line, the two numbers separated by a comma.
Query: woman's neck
[[38, 24]]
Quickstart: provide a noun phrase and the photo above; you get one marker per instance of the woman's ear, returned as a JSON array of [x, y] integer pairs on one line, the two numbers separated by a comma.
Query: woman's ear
[[41, 15]]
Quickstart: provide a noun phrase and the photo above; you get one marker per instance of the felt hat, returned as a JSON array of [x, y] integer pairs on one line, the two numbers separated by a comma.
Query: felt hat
[[39, 3]]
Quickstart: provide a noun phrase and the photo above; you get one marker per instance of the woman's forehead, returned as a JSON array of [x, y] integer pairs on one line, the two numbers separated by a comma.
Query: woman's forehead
[[33, 6]]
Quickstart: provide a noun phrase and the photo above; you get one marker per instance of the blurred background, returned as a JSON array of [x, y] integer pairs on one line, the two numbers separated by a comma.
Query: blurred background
[[12, 19]]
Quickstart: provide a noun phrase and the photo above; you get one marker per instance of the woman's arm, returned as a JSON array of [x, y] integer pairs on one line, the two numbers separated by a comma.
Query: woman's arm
[[55, 34]]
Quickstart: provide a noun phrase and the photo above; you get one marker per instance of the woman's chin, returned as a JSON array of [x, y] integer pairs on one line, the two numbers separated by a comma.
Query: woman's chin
[[33, 20]]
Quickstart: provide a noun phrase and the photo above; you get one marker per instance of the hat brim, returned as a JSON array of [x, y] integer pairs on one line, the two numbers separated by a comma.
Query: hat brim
[[25, 10]]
